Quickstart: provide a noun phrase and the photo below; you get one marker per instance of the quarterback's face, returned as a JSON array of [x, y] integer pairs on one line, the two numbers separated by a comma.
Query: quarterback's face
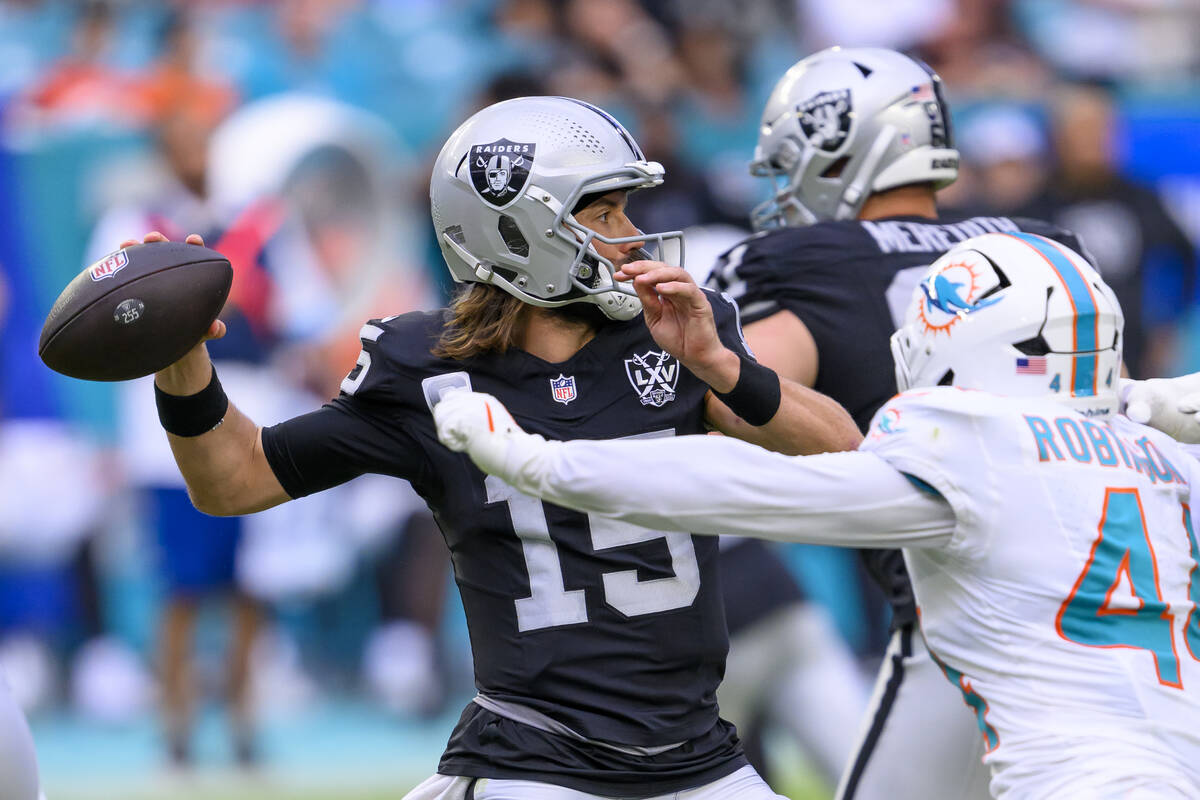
[[606, 216]]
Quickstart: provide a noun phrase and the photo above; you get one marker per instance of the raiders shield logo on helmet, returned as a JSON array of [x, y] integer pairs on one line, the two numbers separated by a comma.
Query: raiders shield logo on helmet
[[825, 119], [500, 170]]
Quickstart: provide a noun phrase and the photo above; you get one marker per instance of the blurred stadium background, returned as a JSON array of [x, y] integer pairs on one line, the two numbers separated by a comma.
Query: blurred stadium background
[[332, 659]]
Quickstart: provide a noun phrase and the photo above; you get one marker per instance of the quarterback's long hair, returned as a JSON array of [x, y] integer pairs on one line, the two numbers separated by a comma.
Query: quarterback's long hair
[[483, 319]]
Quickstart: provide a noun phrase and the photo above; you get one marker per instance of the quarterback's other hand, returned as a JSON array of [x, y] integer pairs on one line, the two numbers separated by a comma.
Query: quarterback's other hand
[[1172, 405], [680, 318], [477, 424]]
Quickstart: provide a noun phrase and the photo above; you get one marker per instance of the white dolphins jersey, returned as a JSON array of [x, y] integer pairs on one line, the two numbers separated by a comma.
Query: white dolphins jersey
[[1064, 604], [1057, 580]]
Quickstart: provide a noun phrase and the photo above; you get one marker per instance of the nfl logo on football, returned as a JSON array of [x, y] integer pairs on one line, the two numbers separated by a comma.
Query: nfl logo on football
[[109, 265], [653, 375], [562, 388]]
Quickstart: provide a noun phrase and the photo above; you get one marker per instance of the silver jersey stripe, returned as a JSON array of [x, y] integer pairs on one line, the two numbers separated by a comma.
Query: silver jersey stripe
[[536, 719]]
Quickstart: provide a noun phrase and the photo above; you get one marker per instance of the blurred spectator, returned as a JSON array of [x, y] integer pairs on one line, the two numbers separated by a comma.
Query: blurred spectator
[[716, 116], [1004, 163], [900, 24], [174, 84], [1141, 251], [981, 54], [56, 486], [82, 89], [529, 34], [343, 254], [319, 46], [403, 662], [686, 199], [1131, 40], [48, 597], [623, 34], [197, 552]]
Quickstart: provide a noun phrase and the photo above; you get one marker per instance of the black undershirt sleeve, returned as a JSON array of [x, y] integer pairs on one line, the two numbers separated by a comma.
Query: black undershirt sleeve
[[336, 443]]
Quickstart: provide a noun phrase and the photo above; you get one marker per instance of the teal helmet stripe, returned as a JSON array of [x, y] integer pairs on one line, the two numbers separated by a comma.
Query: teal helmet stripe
[[1083, 302]]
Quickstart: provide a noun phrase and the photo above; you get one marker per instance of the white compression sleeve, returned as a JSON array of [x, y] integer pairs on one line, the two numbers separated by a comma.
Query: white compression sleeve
[[715, 484]]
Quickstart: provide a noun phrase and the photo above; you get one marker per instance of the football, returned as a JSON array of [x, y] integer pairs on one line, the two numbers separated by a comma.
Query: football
[[135, 311]]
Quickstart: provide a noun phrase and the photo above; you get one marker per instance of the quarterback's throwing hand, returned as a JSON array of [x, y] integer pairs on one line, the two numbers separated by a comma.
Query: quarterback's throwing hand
[[1172, 405], [477, 424]]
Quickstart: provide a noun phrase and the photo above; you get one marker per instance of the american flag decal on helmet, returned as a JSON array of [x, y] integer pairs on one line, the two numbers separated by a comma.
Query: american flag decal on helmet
[[1031, 365]]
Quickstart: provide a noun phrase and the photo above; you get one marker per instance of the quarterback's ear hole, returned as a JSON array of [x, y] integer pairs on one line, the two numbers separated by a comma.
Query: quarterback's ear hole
[[834, 170], [947, 379], [1037, 346], [514, 240]]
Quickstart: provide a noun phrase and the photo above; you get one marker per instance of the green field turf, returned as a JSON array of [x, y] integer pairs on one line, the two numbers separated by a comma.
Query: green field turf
[[346, 751]]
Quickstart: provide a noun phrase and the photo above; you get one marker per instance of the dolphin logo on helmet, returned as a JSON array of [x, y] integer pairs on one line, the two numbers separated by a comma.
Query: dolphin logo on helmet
[[1013, 298]]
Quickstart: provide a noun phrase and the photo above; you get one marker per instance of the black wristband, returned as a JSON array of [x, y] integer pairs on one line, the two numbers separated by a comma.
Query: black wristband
[[192, 414], [756, 395]]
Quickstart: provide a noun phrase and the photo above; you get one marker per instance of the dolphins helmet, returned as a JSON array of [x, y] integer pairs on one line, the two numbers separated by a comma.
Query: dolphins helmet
[[502, 194], [1014, 314], [845, 123]]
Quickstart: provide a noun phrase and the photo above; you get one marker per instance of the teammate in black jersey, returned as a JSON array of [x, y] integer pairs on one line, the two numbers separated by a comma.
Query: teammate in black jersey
[[598, 647], [857, 142]]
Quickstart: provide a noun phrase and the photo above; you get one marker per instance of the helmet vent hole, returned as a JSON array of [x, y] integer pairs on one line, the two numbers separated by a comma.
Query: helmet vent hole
[[947, 379], [513, 239], [1002, 281], [864, 69], [834, 170], [1037, 346]]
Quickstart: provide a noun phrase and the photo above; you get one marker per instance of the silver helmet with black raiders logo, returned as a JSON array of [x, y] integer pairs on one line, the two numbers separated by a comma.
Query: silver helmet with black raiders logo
[[845, 123], [502, 194]]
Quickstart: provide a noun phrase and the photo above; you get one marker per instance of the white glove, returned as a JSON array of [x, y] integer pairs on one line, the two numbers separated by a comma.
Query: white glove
[[478, 424], [1169, 404]]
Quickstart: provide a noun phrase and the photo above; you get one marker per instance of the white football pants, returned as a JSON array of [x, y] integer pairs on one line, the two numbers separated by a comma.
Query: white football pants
[[919, 740], [795, 667], [745, 784]]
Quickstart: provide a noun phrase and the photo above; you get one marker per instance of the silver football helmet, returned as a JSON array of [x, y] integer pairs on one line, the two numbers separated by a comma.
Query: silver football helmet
[[844, 123], [502, 193]]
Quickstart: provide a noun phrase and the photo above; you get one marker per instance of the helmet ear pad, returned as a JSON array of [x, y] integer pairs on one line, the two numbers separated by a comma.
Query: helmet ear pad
[[1014, 314]]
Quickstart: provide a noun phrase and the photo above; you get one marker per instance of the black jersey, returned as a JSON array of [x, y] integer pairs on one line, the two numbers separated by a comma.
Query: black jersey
[[614, 632], [850, 282]]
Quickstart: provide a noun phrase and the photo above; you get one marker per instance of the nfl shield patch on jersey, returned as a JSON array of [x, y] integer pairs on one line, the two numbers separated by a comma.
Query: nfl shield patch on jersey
[[653, 375], [562, 388]]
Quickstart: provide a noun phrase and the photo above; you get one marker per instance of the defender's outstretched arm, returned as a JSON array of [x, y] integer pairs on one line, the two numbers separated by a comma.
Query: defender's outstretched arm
[[703, 484]]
